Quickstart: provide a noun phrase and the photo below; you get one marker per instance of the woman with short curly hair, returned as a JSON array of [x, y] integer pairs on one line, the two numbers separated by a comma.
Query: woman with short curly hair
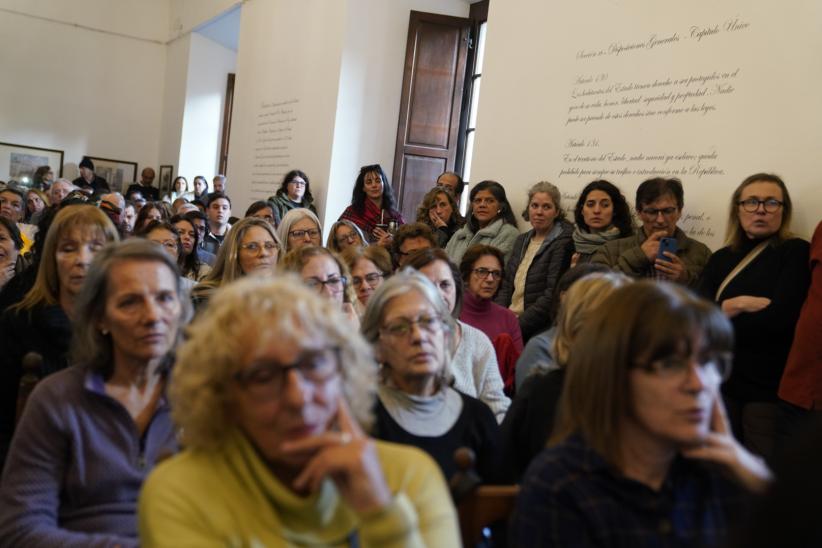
[[272, 392]]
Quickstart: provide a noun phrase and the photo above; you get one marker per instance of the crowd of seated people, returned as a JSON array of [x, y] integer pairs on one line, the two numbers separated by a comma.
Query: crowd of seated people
[[322, 392]]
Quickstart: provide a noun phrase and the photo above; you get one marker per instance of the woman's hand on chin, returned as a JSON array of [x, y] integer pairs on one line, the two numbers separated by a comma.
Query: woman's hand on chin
[[720, 447], [349, 458]]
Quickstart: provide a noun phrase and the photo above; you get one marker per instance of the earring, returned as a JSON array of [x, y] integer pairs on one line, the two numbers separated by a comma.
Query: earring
[[104, 332]]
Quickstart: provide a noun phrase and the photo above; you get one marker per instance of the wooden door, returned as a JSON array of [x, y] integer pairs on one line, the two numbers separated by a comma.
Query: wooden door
[[431, 104]]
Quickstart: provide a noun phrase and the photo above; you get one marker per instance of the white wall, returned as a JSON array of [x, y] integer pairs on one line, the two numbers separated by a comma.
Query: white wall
[[345, 71], [300, 62], [174, 102], [368, 104], [79, 90], [208, 66], [767, 114]]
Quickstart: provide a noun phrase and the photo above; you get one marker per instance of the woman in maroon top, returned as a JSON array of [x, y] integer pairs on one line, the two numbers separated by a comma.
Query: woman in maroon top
[[482, 270]]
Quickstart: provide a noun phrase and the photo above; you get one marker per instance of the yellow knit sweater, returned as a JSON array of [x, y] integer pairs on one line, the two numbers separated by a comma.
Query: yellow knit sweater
[[229, 498]]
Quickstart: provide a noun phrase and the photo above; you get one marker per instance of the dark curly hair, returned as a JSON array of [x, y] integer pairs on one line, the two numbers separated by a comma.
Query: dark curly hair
[[622, 213], [290, 176], [358, 196]]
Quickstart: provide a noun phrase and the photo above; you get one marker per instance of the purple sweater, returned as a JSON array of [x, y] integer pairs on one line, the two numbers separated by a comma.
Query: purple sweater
[[76, 465], [490, 318]]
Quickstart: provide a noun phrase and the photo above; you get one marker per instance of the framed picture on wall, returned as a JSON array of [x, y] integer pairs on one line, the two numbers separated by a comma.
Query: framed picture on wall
[[117, 173], [166, 173], [19, 162]]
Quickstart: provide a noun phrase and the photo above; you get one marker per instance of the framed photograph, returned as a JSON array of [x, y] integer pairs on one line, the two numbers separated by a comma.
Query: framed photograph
[[166, 174], [19, 162], [117, 173]]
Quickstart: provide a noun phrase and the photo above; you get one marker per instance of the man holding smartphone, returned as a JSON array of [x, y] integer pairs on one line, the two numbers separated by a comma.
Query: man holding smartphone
[[660, 249]]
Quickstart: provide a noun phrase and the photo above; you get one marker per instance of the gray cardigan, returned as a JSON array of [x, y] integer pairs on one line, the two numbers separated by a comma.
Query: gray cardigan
[[497, 234], [550, 262]]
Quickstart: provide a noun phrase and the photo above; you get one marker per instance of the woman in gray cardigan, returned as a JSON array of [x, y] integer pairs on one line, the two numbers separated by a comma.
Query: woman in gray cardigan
[[538, 259], [490, 222]]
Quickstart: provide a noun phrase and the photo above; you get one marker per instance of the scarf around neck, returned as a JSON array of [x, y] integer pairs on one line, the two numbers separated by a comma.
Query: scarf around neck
[[588, 242]]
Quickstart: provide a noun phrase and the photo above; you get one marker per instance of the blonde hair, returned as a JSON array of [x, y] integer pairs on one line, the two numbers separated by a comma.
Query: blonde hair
[[734, 235], [332, 244], [46, 288], [578, 304], [227, 264], [295, 261], [241, 316]]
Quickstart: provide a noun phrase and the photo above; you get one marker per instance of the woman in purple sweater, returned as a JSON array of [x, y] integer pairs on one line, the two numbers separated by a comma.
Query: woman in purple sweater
[[91, 433]]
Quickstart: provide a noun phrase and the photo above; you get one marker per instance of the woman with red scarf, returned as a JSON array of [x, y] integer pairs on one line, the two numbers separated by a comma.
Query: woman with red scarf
[[373, 208]]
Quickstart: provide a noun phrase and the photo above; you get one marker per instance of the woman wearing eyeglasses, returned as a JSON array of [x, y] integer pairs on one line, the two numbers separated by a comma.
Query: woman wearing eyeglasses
[[760, 280], [298, 228], [272, 393], [294, 193], [539, 258], [412, 332], [642, 454], [345, 234], [324, 272], [491, 222], [369, 267], [251, 247], [481, 270], [168, 238]]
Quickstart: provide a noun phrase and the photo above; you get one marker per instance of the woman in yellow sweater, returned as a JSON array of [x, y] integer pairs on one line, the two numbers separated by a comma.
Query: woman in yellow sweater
[[270, 391]]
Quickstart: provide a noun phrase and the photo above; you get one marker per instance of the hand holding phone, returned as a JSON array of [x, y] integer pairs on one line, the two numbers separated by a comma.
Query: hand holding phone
[[666, 244]]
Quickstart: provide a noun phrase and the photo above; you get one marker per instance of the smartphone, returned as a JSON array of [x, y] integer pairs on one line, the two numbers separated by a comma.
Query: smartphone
[[666, 244]]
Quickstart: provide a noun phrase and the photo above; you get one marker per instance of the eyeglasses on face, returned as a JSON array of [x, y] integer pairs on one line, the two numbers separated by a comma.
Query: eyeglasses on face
[[485, 272], [371, 279], [401, 327], [677, 367], [268, 378], [171, 245], [256, 247], [750, 205], [654, 212], [349, 237], [297, 183], [312, 233], [334, 284]]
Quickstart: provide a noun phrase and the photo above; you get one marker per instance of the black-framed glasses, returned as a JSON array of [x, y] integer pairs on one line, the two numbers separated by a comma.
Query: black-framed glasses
[[371, 279], [335, 283], [483, 273], [312, 233], [256, 247], [654, 212], [266, 378], [750, 205], [401, 327], [677, 367]]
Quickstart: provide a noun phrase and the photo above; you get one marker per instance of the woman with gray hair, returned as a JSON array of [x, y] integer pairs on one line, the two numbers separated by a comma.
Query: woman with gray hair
[[90, 434], [539, 257], [412, 331], [298, 228], [271, 391]]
